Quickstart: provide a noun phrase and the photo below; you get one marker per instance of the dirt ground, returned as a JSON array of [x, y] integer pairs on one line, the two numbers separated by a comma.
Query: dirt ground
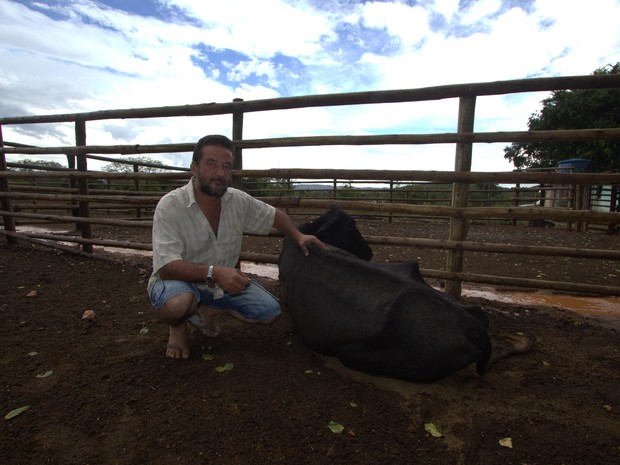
[[101, 390]]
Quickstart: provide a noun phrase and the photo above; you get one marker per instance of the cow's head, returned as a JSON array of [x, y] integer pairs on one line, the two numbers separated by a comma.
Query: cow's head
[[338, 229]]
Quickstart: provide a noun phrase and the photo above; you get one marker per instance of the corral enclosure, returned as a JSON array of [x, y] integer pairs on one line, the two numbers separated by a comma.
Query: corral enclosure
[[101, 391], [85, 200]]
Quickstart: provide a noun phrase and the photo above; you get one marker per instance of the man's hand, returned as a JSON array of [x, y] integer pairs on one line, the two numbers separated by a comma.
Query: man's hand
[[232, 280], [305, 240], [285, 225]]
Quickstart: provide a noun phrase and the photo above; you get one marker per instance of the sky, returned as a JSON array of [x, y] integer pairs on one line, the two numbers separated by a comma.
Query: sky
[[66, 56]]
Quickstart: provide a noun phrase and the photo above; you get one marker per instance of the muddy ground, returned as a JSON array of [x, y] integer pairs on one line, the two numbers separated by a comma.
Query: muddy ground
[[101, 391]]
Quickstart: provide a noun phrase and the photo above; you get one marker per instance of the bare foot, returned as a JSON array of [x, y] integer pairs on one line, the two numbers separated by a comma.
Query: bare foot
[[208, 315], [177, 343]]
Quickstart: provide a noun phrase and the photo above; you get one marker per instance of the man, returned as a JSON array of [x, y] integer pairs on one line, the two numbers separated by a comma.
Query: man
[[197, 234]]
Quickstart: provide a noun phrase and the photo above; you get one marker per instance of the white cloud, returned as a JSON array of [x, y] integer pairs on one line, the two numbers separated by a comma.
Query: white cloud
[[409, 23], [92, 57], [259, 28], [480, 11], [447, 8]]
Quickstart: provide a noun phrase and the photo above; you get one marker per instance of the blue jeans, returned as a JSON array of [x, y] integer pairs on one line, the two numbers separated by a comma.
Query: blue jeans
[[255, 303]]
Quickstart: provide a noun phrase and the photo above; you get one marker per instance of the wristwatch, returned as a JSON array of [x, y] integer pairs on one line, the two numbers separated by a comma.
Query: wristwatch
[[210, 281]]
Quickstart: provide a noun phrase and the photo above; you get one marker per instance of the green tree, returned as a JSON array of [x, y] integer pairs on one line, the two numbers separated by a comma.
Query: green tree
[[573, 109], [266, 187], [147, 165], [31, 165]]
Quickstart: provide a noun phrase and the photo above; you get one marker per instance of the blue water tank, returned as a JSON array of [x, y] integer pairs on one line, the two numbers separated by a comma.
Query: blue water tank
[[573, 165]]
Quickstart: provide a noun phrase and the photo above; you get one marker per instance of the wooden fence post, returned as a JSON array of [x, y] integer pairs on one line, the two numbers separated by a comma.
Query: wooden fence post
[[582, 203], [391, 198], [136, 186], [459, 226], [72, 183], [5, 202], [237, 134], [80, 140]]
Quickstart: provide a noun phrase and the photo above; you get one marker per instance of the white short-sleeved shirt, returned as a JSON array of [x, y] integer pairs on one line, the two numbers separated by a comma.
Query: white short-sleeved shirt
[[182, 232]]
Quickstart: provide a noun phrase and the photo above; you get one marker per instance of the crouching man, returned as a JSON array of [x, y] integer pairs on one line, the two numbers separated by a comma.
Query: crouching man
[[197, 234]]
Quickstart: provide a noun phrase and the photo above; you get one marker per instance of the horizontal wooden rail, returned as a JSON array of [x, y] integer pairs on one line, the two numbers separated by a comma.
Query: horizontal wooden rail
[[99, 175], [313, 141], [449, 212], [352, 98], [56, 246], [524, 282], [484, 279], [502, 177], [389, 240], [264, 258], [79, 240], [488, 247], [80, 220], [127, 199]]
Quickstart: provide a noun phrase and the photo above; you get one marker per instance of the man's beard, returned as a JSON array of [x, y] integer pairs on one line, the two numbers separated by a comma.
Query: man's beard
[[208, 190]]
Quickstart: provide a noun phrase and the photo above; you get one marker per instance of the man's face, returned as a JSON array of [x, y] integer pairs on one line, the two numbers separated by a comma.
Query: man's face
[[214, 172]]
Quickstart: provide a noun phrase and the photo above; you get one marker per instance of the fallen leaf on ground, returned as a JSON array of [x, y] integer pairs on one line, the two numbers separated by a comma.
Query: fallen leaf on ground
[[32, 294], [506, 442], [45, 374], [432, 430], [227, 367], [207, 357], [17, 411], [335, 427], [88, 315]]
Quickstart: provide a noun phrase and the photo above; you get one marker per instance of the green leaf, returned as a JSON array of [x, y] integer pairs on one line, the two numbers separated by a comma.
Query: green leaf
[[207, 357], [432, 430], [227, 367], [353, 404], [335, 427], [17, 411], [45, 374], [144, 330], [33, 354]]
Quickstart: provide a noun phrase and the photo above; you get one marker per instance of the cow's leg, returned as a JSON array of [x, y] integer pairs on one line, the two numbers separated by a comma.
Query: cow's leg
[[507, 345]]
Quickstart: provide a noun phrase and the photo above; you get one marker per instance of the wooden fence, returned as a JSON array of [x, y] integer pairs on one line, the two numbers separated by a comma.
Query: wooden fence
[[88, 194]]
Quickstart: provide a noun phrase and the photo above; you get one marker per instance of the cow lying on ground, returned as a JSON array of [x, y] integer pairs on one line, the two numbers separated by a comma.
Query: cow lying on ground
[[380, 318]]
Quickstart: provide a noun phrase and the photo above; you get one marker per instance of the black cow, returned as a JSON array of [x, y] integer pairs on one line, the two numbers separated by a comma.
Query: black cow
[[384, 319]]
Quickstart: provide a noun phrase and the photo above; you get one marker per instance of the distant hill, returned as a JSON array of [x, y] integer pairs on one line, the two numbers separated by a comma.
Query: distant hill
[[311, 187]]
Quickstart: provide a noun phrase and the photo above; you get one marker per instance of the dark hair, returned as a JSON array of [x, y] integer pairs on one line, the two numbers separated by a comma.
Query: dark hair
[[212, 139]]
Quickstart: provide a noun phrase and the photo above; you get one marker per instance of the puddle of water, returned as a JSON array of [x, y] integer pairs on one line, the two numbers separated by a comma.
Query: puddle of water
[[266, 270], [595, 306]]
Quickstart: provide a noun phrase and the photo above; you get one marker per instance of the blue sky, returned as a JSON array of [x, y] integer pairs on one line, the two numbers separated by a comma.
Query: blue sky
[[60, 56]]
